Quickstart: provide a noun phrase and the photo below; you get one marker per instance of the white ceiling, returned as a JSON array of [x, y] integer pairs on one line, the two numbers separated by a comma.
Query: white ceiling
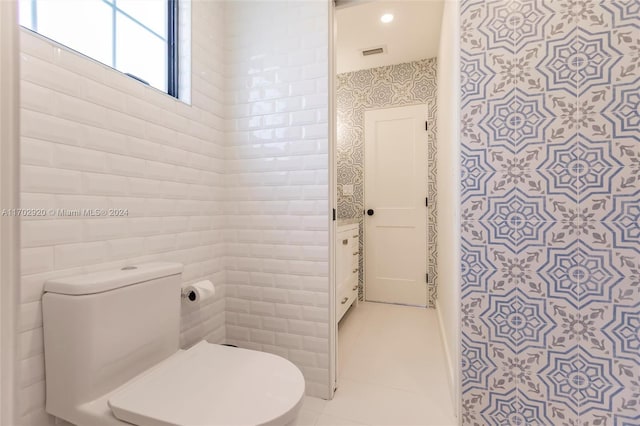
[[413, 34]]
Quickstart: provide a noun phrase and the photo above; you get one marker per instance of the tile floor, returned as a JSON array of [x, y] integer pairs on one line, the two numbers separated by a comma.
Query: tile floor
[[392, 371]]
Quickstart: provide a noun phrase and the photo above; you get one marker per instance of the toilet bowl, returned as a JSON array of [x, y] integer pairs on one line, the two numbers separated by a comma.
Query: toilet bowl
[[213, 385], [112, 358]]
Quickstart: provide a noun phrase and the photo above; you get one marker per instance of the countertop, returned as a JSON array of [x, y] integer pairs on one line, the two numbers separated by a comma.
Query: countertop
[[348, 221]]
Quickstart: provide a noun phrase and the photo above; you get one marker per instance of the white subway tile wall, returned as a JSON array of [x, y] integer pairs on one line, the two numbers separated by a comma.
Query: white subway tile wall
[[276, 183], [93, 138], [234, 186]]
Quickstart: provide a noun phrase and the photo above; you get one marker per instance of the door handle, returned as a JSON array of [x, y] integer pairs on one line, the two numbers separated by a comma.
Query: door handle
[[344, 300], [354, 271], [370, 212], [345, 242], [354, 288]]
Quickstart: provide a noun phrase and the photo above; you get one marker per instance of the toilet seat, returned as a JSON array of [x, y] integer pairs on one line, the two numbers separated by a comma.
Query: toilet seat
[[211, 385]]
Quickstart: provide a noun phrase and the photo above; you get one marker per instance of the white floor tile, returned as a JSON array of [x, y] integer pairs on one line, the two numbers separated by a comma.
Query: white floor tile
[[313, 404], [391, 368], [307, 417], [382, 405], [327, 420], [349, 329]]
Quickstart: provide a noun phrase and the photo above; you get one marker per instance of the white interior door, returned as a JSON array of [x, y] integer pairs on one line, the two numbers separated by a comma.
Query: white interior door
[[395, 203]]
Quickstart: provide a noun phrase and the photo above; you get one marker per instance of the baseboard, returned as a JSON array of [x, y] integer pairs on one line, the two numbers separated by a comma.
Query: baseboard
[[450, 367]]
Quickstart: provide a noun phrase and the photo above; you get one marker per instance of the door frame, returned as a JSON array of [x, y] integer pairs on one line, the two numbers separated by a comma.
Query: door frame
[[333, 202], [9, 199], [451, 31], [364, 199]]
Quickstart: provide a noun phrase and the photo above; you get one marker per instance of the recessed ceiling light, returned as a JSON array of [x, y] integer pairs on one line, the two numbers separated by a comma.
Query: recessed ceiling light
[[386, 18]]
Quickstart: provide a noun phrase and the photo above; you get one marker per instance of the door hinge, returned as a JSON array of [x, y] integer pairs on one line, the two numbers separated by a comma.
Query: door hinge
[[426, 202], [427, 278], [426, 125], [334, 214]]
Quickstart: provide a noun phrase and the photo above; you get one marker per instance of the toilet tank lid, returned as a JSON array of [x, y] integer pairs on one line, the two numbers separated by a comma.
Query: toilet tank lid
[[98, 282]]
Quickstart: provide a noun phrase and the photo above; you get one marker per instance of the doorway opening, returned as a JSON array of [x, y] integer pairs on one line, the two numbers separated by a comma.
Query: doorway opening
[[385, 168]]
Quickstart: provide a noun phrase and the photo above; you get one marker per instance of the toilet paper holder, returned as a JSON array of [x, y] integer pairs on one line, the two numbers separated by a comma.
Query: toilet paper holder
[[188, 294], [198, 292]]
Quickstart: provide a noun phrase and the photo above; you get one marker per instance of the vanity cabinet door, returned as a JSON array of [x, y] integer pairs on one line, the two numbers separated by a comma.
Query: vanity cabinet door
[[343, 258], [347, 257]]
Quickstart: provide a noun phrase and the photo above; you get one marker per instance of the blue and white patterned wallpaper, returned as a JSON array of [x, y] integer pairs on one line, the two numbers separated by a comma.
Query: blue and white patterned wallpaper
[[550, 212]]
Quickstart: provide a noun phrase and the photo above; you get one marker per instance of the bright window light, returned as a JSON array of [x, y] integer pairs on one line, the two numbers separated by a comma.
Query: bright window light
[[136, 37]]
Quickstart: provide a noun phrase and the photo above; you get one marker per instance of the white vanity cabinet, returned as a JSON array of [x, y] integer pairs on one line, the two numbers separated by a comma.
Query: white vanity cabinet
[[347, 259]]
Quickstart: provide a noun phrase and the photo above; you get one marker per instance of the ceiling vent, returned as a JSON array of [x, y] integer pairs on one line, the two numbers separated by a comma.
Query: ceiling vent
[[374, 51]]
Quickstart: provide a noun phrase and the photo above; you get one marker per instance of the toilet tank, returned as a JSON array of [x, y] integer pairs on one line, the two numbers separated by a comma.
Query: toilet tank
[[102, 329]]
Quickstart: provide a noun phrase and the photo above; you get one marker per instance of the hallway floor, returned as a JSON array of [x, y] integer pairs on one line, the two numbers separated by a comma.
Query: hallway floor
[[392, 371]]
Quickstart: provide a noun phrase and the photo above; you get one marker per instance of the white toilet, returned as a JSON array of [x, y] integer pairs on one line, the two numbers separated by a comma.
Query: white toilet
[[112, 358]]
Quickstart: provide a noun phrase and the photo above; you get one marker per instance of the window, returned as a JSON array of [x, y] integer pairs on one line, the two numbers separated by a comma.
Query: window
[[136, 37]]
